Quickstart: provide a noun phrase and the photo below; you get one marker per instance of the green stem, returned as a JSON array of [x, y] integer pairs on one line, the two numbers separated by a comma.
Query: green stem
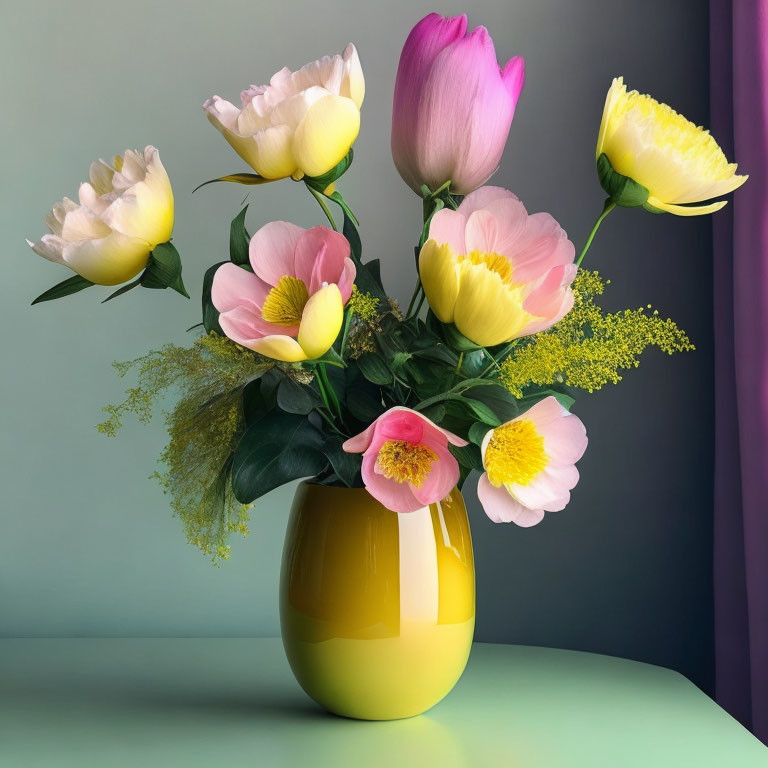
[[322, 204], [499, 358], [458, 365], [329, 391], [607, 208], [329, 421], [345, 333]]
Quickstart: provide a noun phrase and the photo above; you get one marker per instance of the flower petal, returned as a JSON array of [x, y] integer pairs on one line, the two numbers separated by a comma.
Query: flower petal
[[272, 251], [502, 508], [321, 321], [439, 273], [326, 133]]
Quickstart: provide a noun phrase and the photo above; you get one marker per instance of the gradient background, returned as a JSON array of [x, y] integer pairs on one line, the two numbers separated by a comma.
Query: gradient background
[[88, 546]]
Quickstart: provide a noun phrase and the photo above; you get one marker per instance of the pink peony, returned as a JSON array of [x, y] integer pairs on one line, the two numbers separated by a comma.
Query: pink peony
[[406, 461], [291, 306], [529, 464]]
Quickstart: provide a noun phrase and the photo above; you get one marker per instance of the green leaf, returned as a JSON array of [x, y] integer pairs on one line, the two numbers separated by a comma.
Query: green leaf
[[237, 178], [65, 288], [321, 183], [255, 406], [435, 413], [468, 456], [274, 450], [164, 269], [482, 411], [296, 398], [621, 189], [349, 230], [374, 369], [123, 289], [474, 363], [363, 399], [456, 340], [239, 239], [477, 433], [441, 354], [345, 465], [498, 399], [210, 313]]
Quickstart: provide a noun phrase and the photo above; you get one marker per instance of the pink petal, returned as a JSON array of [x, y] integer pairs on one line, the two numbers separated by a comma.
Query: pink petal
[[395, 496], [502, 508], [272, 250], [442, 478], [448, 226], [321, 256], [359, 443], [513, 76], [430, 36], [482, 197], [347, 280], [233, 286]]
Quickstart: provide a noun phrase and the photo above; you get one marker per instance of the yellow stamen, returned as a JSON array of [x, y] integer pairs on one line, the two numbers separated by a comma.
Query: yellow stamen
[[515, 454], [285, 303], [405, 462], [494, 262]]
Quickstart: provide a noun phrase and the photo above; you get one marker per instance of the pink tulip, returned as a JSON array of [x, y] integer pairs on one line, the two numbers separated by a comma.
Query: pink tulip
[[453, 105], [530, 464], [290, 307], [406, 461]]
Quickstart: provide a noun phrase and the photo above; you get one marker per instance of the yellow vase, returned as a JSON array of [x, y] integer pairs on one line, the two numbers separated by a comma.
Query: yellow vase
[[377, 608]]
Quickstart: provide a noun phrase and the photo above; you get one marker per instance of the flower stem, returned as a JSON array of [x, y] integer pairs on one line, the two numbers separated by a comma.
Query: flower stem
[[607, 208], [458, 365], [322, 204], [322, 377]]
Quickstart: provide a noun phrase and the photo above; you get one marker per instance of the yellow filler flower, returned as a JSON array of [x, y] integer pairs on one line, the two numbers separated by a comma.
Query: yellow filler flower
[[649, 155]]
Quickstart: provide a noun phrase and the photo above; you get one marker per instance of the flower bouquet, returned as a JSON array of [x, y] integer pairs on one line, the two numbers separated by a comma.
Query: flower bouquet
[[304, 366]]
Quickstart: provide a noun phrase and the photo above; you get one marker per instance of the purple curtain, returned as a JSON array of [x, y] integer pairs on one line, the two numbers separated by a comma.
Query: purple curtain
[[739, 106]]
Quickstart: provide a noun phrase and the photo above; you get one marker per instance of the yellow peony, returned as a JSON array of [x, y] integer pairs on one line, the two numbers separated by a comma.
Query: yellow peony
[[648, 154]]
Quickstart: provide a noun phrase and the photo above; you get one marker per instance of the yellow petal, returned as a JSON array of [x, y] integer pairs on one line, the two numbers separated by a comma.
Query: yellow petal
[[145, 210], [274, 158], [108, 260], [439, 273], [488, 311], [673, 158], [687, 210], [325, 135], [279, 347], [321, 321]]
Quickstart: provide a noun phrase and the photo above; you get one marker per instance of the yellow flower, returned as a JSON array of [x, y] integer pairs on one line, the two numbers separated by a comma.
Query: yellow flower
[[122, 213], [302, 123], [495, 272], [648, 154]]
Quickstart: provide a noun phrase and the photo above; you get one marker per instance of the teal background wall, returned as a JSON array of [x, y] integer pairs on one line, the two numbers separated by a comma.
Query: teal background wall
[[87, 543]]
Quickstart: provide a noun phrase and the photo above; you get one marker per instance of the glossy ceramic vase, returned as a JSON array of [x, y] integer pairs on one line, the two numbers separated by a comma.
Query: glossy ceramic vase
[[377, 609]]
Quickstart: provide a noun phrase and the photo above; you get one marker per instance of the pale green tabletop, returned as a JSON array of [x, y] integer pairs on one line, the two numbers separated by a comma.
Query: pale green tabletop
[[233, 702]]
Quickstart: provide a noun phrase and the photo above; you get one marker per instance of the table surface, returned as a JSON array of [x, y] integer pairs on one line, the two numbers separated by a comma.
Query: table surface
[[233, 702]]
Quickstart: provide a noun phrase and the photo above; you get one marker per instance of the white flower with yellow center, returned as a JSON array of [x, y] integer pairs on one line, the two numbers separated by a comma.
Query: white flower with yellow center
[[123, 213], [529, 464], [674, 161]]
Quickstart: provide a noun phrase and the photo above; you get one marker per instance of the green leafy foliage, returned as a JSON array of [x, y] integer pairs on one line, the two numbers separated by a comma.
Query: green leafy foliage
[[64, 288]]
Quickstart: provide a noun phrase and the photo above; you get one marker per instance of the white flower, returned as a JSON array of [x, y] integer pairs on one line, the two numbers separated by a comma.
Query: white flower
[[303, 122], [122, 214]]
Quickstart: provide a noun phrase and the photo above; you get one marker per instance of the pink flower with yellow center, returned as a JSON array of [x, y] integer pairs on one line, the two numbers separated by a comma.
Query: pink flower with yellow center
[[406, 461], [494, 271], [291, 306], [530, 464]]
